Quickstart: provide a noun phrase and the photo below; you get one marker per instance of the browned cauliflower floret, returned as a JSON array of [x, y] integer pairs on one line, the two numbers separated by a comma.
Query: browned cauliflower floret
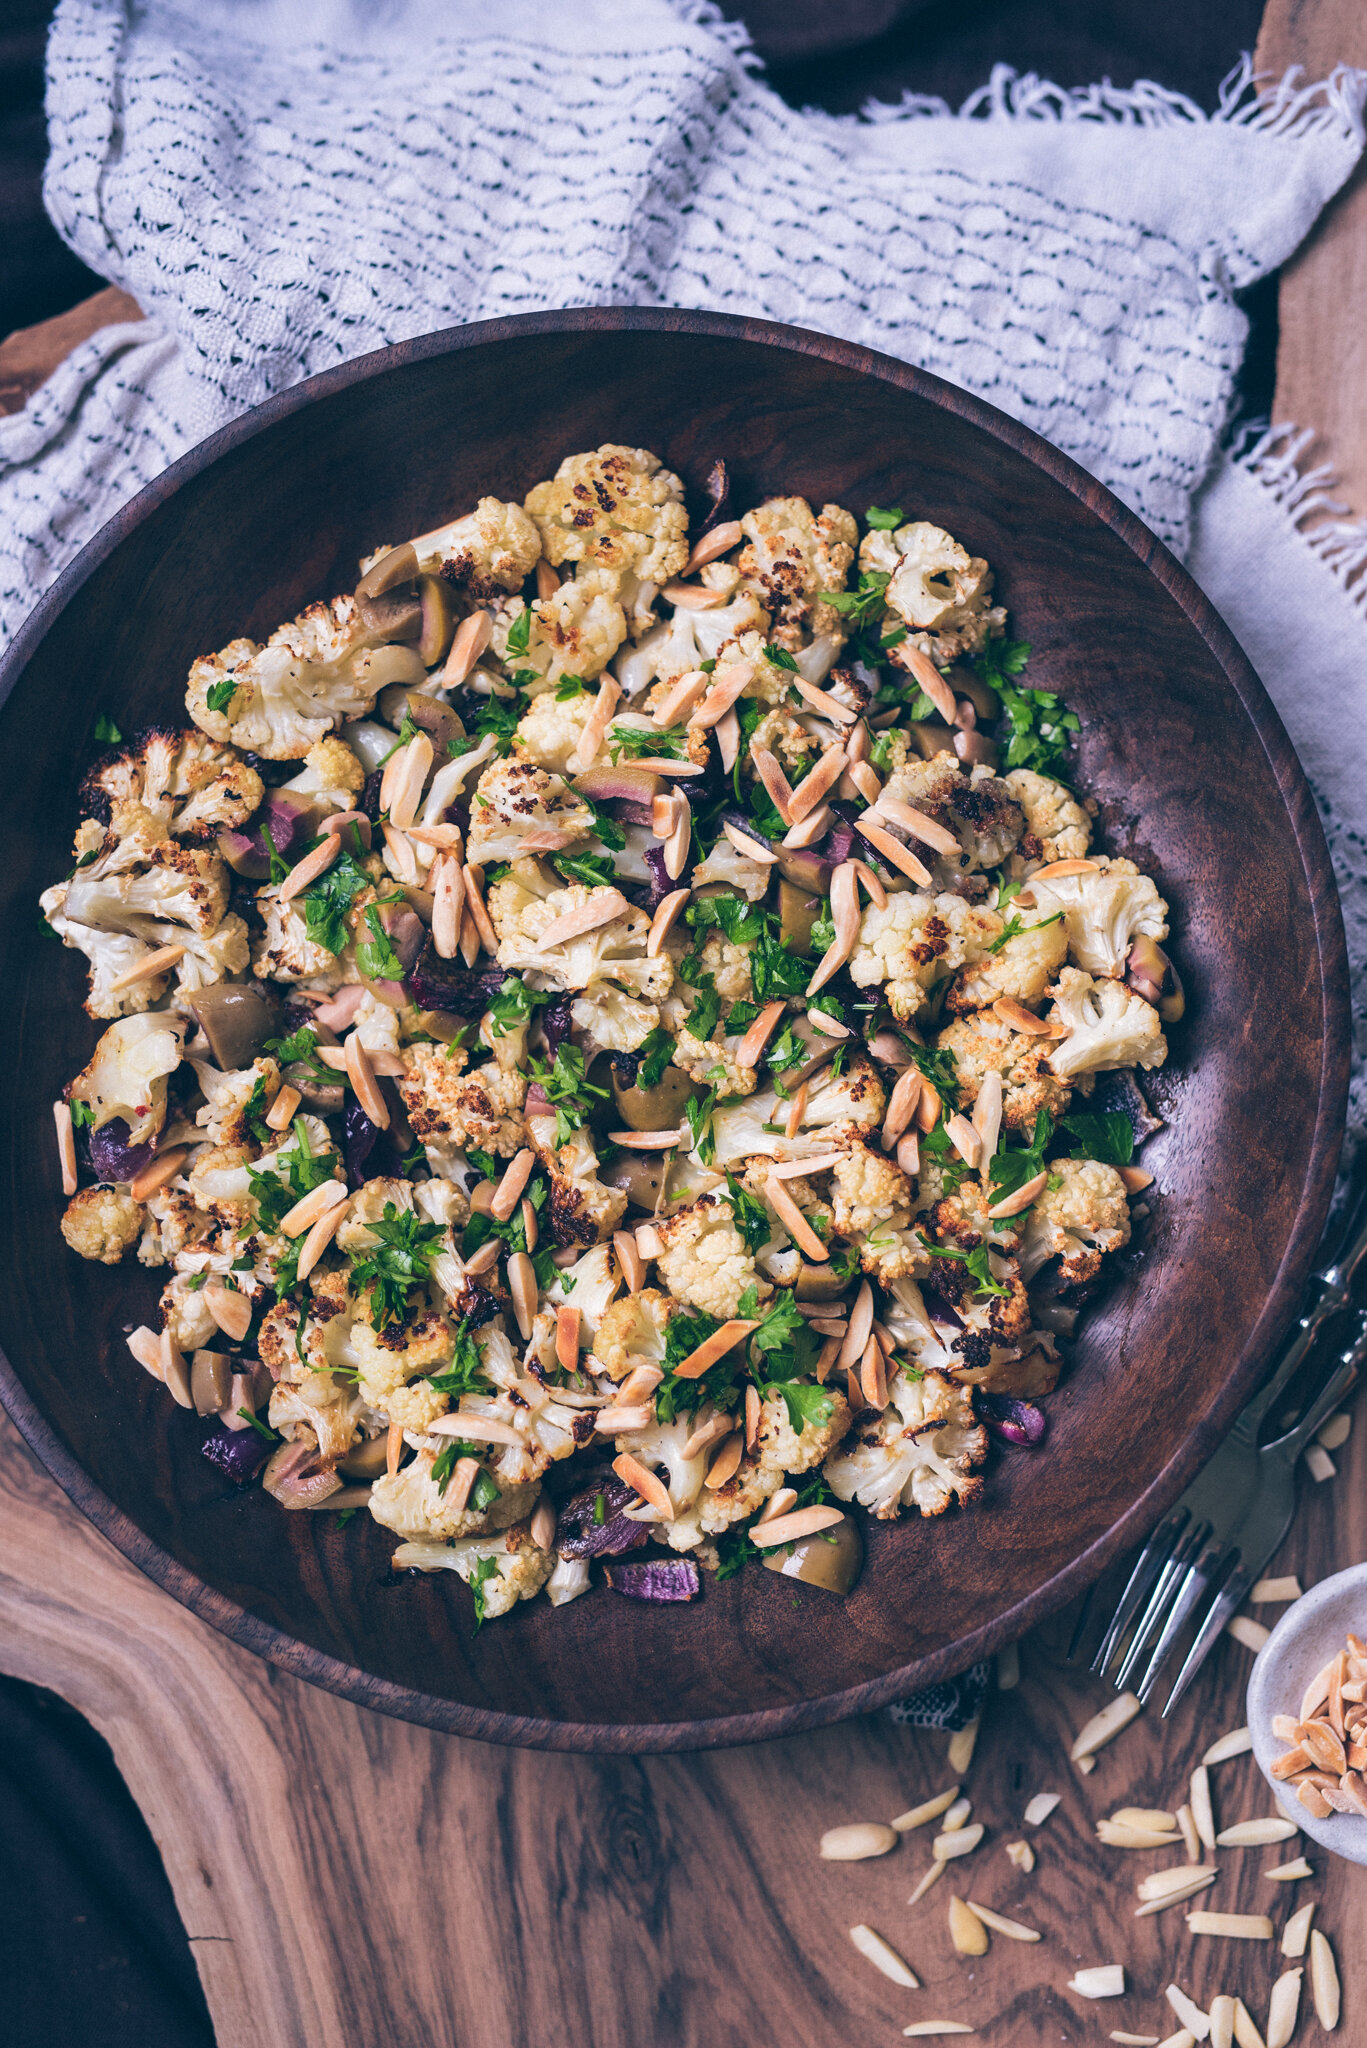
[[869, 1191], [488, 551], [1108, 1026], [790, 557], [451, 1110], [914, 942], [192, 785], [633, 1329], [128, 1071], [287, 953], [1023, 967], [1079, 1221], [781, 733], [388, 1359], [422, 1509], [713, 1063], [705, 1263], [172, 1223], [519, 809], [331, 765], [978, 809], [313, 673], [582, 1209], [1103, 911], [922, 1451], [549, 733], [101, 1223], [613, 508], [781, 1448], [936, 589], [1053, 816], [520, 1568], [981, 1045]]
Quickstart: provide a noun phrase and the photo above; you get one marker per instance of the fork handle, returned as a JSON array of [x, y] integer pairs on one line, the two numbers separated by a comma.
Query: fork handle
[[1345, 1372]]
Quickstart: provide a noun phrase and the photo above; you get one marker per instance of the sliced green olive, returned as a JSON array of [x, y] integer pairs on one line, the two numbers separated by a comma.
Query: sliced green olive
[[365, 1460], [660, 1108], [641, 1176], [429, 714], [442, 1025], [237, 1021], [396, 616], [819, 1283], [965, 683], [832, 1559], [399, 565], [438, 619], [211, 1381], [931, 736], [798, 911]]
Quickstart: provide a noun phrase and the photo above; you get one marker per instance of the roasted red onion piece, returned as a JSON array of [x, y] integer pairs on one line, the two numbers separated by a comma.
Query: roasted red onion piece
[[673, 1579], [449, 985], [112, 1158], [239, 1452], [1019, 1422], [579, 1535]]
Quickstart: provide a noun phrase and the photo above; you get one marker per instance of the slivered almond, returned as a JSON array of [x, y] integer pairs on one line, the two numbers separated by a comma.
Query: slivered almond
[[66, 1146], [629, 1261], [788, 1528], [471, 638], [639, 1382], [1250, 1633], [1144, 1817], [928, 1106], [567, 1320], [145, 1346], [706, 1354], [158, 1172], [1296, 1933], [1040, 1808], [623, 1417], [361, 1075], [522, 1287], [894, 851], [680, 837], [922, 2030], [311, 1206], [393, 1447], [753, 849], [1191, 1840], [866, 780], [828, 1026], [462, 1479], [400, 847], [1167, 1900], [1057, 869], [1202, 1812], [442, 838], [877, 894], [1287, 1873], [316, 1242], [448, 906], [928, 1810], [794, 1222], [794, 1169], [861, 1326], [676, 702], [600, 909], [822, 700], [883, 1957], [1021, 1856], [966, 1930], [1291, 1763], [855, 1841], [1316, 1694], [469, 938], [709, 546], [909, 1153], [474, 904], [923, 670], [727, 684], [714, 1430], [965, 1139], [632, 1473], [1105, 1726], [1118, 1836], [479, 1429], [778, 1503], [826, 1359], [957, 1841], [1233, 1926], [1134, 1178], [808, 830], [853, 1392], [529, 1224], [547, 579], [408, 783], [310, 867], [918, 824], [758, 1036], [666, 913], [508, 1193], [987, 1113], [1162, 1884], [1017, 1018], [797, 1110], [775, 781], [596, 724], [1252, 1834], [280, 1115], [152, 964], [649, 1243], [1012, 1205], [1014, 1930], [1236, 1743], [816, 782], [483, 1260], [692, 597], [859, 742], [873, 1375], [724, 1465], [231, 1310]]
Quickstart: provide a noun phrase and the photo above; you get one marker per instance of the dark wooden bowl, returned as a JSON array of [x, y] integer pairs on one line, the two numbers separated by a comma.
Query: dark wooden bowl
[[1191, 766]]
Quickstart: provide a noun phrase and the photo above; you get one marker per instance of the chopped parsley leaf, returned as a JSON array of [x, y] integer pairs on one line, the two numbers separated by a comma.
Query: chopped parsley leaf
[[298, 1170], [1016, 924], [520, 633], [635, 740], [220, 695], [81, 1112], [326, 902], [499, 716], [106, 732], [465, 1374], [593, 869], [375, 956], [699, 1115], [750, 1216], [484, 1491], [979, 1271], [570, 686], [656, 1052], [515, 1005], [483, 1569], [779, 657], [272, 1436], [1012, 1167], [1039, 726], [566, 1089], [941, 1069], [387, 1272], [1107, 1136], [605, 829], [883, 521]]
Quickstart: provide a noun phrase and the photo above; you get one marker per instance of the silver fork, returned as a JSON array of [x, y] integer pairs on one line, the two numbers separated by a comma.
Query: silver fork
[[1183, 1558]]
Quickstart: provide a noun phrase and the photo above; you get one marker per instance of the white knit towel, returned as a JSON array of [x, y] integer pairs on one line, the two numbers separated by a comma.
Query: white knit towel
[[283, 184]]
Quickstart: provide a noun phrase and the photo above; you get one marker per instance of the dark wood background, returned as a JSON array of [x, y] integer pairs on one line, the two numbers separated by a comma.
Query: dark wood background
[[344, 1878]]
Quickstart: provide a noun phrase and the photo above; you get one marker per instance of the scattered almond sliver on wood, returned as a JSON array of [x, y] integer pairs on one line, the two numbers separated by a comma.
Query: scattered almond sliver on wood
[[1160, 1883], [1040, 1808], [958, 1842], [957, 1815], [1236, 1743], [1252, 1834], [883, 1957], [1324, 1982], [1121, 1837], [1012, 1929], [1167, 1900], [1188, 2011], [966, 1930], [962, 1743], [1272, 1592], [1287, 1873], [921, 2030], [1103, 1980], [1235, 1926], [1135, 2040], [1105, 1726], [1145, 1817], [1250, 1633], [932, 1876], [1283, 2008], [856, 1840], [929, 1809], [1021, 1855]]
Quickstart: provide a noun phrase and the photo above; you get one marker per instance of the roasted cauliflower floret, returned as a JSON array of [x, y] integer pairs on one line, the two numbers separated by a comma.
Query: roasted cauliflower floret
[[922, 1451], [451, 1110], [101, 1223], [185, 1313], [312, 673], [422, 1509], [490, 550], [388, 1359], [1108, 1026], [519, 809], [705, 1263], [550, 732], [1053, 815], [781, 1448], [127, 1074], [330, 765], [632, 1329], [1087, 1215], [940, 592], [582, 1209], [915, 942], [519, 1572], [975, 806], [612, 952], [690, 638], [613, 508], [172, 1223], [869, 1190], [231, 1100], [190, 784], [781, 733], [712, 1062], [144, 880], [287, 953], [982, 1045], [1022, 968], [790, 557], [1104, 912]]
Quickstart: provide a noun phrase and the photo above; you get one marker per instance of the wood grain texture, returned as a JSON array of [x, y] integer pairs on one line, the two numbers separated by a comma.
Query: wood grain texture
[[347, 1878], [1322, 338], [275, 510]]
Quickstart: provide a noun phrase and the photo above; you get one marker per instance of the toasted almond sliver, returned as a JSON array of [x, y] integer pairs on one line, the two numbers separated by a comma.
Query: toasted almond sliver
[[828, 1026], [280, 1115], [629, 1261], [883, 1957], [231, 1310], [845, 918], [1160, 1884], [640, 1381], [794, 1222], [893, 850], [906, 1093], [830, 1351], [725, 1464], [957, 1842], [1040, 1808], [151, 965], [708, 546], [393, 1448], [400, 848], [692, 597], [1283, 2008], [1134, 1178], [361, 1075], [472, 636], [922, 2030], [66, 1147], [311, 1206], [816, 782], [508, 1193], [707, 1435], [448, 905], [623, 1417], [987, 1113], [1105, 1726], [1167, 1900], [713, 1348], [966, 1930], [596, 725], [808, 830], [665, 915], [777, 1503], [1296, 1933], [873, 1375], [965, 1139], [1287, 1873], [758, 1036], [1251, 1634], [145, 1346], [918, 824], [474, 904], [771, 774], [601, 908], [1236, 1743], [650, 1141], [788, 1528], [310, 867], [856, 1841], [873, 888], [1012, 1929], [485, 1258], [408, 784], [158, 1172], [316, 1242], [727, 683], [822, 700], [1103, 1980], [932, 1876], [1012, 1205], [928, 1810], [567, 1320], [480, 1429], [1235, 1926], [1017, 1018], [797, 1110], [928, 1107], [795, 1169]]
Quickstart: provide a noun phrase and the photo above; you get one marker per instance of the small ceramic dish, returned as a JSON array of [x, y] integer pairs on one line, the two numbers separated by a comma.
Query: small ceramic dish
[[1307, 1636]]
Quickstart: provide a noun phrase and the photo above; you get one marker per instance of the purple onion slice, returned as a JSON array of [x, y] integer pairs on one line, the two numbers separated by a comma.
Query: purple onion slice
[[112, 1158], [1018, 1422], [579, 1535], [664, 1579], [239, 1452]]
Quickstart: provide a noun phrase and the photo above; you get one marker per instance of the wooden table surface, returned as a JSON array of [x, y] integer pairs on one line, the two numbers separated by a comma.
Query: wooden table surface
[[349, 1880]]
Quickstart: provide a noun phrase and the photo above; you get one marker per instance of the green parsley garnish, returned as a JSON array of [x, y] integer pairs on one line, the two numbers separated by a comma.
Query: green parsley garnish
[[940, 1068], [593, 869], [520, 633], [326, 902], [81, 1112], [656, 1052], [634, 741], [699, 1115], [499, 716], [465, 1374], [484, 1491], [566, 1089], [1039, 726], [1016, 924], [375, 956], [979, 1271], [1013, 1167], [272, 1436], [484, 1569], [883, 521], [570, 686], [388, 1271], [779, 657], [513, 1006], [1107, 1135], [220, 695], [606, 830], [297, 1170], [106, 732], [750, 1216]]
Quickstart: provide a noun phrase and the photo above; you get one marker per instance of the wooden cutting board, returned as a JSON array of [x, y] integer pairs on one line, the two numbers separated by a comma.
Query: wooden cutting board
[[349, 1880]]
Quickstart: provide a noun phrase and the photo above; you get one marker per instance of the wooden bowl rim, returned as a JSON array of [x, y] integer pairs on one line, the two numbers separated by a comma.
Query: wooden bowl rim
[[523, 1731]]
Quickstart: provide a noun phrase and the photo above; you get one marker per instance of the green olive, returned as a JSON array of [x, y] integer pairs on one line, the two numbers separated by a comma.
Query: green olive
[[964, 683], [441, 1025], [211, 1381], [397, 565], [429, 714], [660, 1108], [798, 911], [931, 736], [641, 1176], [831, 1559], [438, 619], [819, 1283], [365, 1460]]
